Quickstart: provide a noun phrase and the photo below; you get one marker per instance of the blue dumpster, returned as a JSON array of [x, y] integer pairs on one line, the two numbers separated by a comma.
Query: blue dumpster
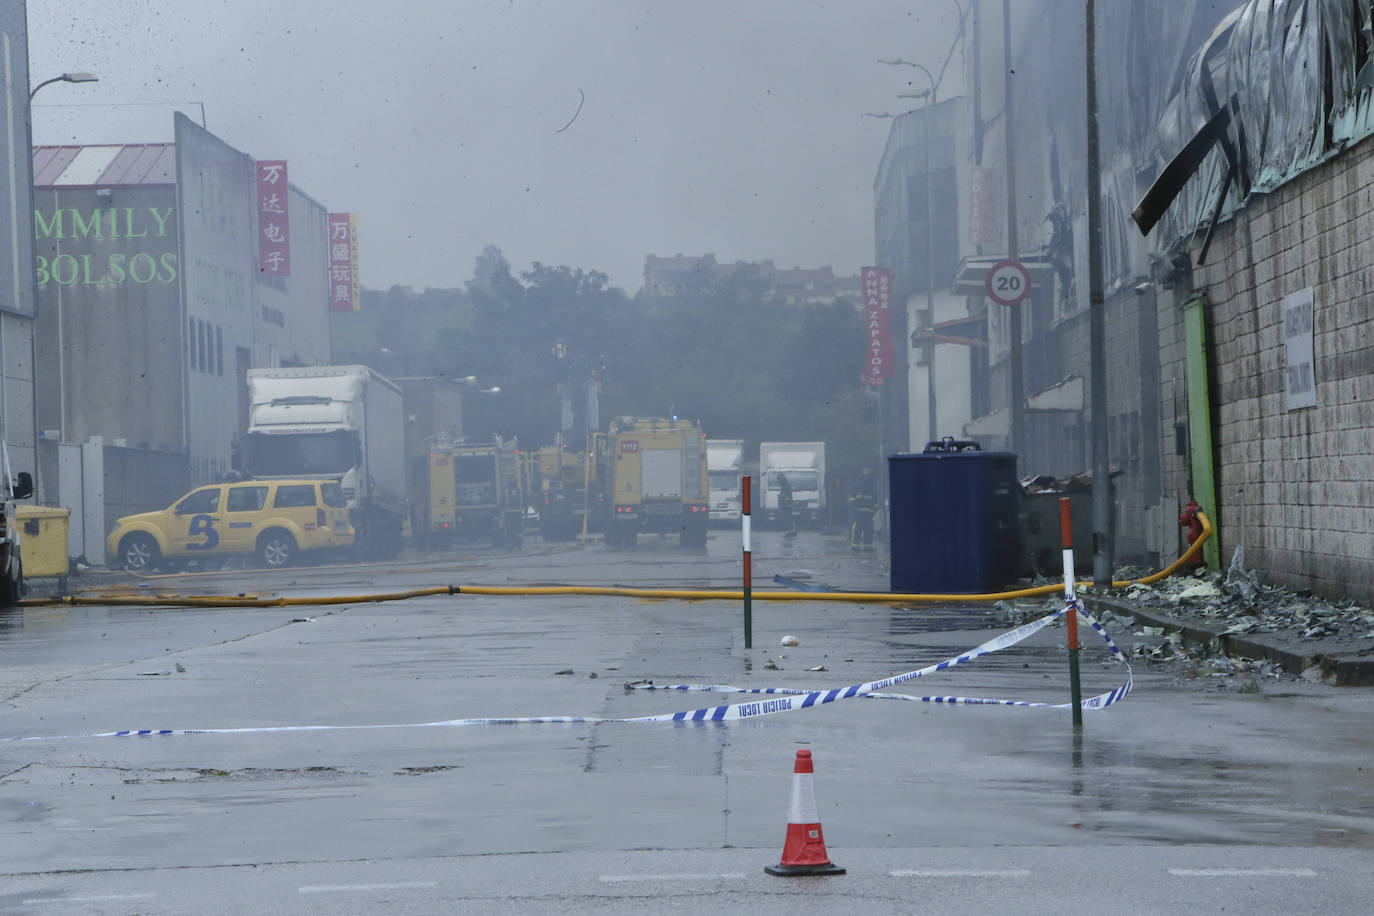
[[954, 525]]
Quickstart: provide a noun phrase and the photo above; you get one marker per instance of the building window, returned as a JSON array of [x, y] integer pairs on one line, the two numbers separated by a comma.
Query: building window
[[219, 351]]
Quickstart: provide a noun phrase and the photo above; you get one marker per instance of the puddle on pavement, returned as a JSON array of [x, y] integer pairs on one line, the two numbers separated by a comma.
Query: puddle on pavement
[[939, 618]]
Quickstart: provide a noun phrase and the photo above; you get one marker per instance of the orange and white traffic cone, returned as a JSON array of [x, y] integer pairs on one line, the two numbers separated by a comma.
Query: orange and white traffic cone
[[803, 852]]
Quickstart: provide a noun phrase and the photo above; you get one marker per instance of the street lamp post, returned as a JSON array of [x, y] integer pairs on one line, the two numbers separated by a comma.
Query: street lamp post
[[932, 432], [64, 78], [929, 346], [75, 77], [1018, 394]]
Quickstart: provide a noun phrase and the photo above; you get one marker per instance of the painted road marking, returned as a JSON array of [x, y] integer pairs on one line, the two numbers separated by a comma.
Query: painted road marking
[[104, 898], [618, 879], [1243, 872], [331, 888], [959, 873]]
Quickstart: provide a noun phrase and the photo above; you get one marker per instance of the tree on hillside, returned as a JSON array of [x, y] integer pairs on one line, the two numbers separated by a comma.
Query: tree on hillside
[[719, 350], [510, 343], [748, 366]]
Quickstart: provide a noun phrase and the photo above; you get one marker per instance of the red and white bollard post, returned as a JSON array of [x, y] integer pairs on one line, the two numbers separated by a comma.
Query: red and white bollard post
[[1071, 610], [745, 520]]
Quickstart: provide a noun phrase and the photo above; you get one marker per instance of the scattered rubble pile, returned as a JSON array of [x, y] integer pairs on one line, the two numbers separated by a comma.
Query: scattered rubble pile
[[1247, 606], [1233, 603]]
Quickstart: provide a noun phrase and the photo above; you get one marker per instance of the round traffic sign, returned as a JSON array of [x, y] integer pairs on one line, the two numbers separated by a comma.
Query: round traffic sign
[[1008, 282]]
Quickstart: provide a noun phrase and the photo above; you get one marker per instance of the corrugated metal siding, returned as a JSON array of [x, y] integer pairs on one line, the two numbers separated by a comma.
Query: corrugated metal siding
[[49, 161], [145, 164], [90, 163], [104, 166]]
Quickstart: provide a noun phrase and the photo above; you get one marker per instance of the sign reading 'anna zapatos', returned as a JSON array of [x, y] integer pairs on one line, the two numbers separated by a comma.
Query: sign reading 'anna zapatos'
[[879, 354]]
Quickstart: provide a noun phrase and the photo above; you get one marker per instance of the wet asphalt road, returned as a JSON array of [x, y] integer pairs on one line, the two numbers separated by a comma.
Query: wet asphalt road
[[1186, 797]]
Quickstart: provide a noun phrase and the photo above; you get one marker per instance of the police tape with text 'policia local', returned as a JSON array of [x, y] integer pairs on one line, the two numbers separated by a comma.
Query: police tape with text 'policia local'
[[791, 699]]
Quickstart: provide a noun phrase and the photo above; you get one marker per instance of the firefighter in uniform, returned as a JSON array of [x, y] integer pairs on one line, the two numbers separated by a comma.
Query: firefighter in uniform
[[863, 502]]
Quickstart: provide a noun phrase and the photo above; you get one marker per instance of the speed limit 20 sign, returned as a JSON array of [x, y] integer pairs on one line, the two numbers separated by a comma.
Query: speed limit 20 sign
[[1008, 282]]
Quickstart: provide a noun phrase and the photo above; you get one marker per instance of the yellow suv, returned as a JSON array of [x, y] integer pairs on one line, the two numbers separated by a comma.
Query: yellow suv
[[277, 521]]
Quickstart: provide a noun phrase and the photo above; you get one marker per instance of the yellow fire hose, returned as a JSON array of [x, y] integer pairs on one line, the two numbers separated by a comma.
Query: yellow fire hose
[[612, 591]]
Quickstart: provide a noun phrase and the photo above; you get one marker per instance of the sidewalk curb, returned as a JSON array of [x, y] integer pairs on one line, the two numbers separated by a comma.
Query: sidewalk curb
[[1346, 666]]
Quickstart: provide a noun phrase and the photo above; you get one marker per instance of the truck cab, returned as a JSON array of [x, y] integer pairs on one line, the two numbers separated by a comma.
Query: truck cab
[[11, 562], [723, 468]]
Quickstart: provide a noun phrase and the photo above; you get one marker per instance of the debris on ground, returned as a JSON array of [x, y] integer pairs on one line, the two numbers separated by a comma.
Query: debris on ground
[[1232, 603], [1239, 601]]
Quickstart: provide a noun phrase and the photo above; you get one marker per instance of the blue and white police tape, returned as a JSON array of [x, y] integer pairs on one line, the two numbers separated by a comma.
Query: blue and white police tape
[[872, 689], [789, 699]]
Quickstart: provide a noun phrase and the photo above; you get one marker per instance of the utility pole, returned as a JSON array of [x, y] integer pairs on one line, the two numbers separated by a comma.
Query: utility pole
[[932, 433], [1097, 333], [1018, 396]]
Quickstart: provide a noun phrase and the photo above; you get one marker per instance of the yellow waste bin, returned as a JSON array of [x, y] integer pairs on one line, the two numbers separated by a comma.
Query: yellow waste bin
[[43, 540]]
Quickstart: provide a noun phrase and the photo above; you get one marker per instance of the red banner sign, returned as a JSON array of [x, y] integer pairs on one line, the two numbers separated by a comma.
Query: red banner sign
[[344, 294], [986, 213], [274, 219], [880, 353]]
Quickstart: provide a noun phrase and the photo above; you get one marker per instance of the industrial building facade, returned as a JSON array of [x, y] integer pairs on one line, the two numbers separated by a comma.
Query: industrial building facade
[[1236, 228], [151, 310]]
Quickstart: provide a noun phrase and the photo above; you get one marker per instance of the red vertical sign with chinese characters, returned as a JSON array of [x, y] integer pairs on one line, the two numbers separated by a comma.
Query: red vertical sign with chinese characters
[[274, 222], [343, 288], [879, 354]]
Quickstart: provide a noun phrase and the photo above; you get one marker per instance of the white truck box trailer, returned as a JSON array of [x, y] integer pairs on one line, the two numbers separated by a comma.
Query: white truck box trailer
[[803, 463], [344, 423]]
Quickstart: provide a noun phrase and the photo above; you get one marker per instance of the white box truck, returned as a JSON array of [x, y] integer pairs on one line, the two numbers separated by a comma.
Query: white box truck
[[803, 463], [723, 468], [344, 423]]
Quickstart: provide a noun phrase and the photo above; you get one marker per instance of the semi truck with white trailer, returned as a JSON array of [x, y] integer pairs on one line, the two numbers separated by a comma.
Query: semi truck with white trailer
[[344, 423], [803, 464], [724, 465]]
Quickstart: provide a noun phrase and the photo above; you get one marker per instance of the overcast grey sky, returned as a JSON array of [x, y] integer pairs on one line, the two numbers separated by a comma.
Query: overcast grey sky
[[723, 126]]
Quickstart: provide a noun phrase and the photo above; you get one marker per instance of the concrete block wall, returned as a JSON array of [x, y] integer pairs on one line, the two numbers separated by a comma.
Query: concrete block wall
[[1294, 487]]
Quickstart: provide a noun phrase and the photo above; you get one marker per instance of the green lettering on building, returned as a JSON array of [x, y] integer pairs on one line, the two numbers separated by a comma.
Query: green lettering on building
[[71, 268], [161, 220], [44, 229], [116, 222], [83, 228]]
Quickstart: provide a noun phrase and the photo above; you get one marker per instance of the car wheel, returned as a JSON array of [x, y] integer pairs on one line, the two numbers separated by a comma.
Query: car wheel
[[139, 553], [276, 548]]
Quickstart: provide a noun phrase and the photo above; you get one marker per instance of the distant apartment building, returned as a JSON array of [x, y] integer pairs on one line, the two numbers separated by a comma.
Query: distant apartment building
[[795, 286]]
